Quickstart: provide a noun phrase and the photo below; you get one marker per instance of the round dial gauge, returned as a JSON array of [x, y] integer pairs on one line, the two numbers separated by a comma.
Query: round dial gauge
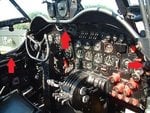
[[51, 10], [97, 46], [87, 45], [108, 48], [98, 58], [88, 55], [125, 63], [78, 44], [62, 8], [89, 65], [69, 52], [110, 60], [79, 53]]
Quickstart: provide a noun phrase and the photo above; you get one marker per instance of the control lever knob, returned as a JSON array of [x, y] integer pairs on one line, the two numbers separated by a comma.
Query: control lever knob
[[116, 77], [85, 98], [119, 87], [127, 91], [52, 83], [83, 91], [132, 84]]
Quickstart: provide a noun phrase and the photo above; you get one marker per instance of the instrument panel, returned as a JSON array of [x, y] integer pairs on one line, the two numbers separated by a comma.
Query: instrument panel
[[99, 48], [102, 51], [102, 54]]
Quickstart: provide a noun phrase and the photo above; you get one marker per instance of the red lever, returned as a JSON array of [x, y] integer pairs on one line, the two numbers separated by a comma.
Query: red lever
[[65, 39], [135, 65]]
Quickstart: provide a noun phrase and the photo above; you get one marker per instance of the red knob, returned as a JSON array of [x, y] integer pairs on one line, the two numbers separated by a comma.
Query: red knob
[[120, 96], [127, 91], [134, 102], [113, 93], [115, 77], [119, 87], [132, 84], [126, 99]]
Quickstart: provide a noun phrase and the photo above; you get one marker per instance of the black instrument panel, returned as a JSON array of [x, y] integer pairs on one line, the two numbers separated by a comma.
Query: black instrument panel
[[102, 49]]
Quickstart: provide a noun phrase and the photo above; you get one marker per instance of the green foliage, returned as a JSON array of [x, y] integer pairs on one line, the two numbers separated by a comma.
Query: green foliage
[[21, 26], [34, 14]]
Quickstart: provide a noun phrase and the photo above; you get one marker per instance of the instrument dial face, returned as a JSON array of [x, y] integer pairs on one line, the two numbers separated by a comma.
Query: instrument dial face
[[110, 60], [88, 55], [125, 63], [79, 53], [97, 46], [87, 45], [51, 10], [98, 58], [78, 44], [89, 65], [108, 48], [69, 52], [62, 8]]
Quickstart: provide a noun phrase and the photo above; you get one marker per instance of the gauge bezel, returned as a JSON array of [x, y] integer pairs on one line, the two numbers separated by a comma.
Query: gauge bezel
[[79, 55], [87, 46], [98, 43], [87, 57], [112, 60], [95, 59], [110, 49], [66, 9]]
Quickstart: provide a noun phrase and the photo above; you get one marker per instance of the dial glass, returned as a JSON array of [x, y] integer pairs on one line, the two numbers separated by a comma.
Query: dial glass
[[89, 65], [88, 55], [110, 60], [125, 63], [62, 8], [87, 45], [79, 53], [78, 44], [98, 58], [97, 46], [108, 48]]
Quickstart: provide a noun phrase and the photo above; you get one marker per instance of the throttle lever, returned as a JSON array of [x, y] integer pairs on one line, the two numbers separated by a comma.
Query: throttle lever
[[53, 83]]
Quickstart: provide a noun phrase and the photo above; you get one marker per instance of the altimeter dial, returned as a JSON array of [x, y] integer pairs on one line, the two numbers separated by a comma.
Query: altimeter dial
[[88, 55], [110, 60], [98, 58]]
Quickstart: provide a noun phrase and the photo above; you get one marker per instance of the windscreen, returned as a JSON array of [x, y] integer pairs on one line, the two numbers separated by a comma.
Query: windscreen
[[8, 11]]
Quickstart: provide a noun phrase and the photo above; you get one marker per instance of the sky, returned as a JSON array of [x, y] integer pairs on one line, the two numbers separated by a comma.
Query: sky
[[7, 10], [29, 6]]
